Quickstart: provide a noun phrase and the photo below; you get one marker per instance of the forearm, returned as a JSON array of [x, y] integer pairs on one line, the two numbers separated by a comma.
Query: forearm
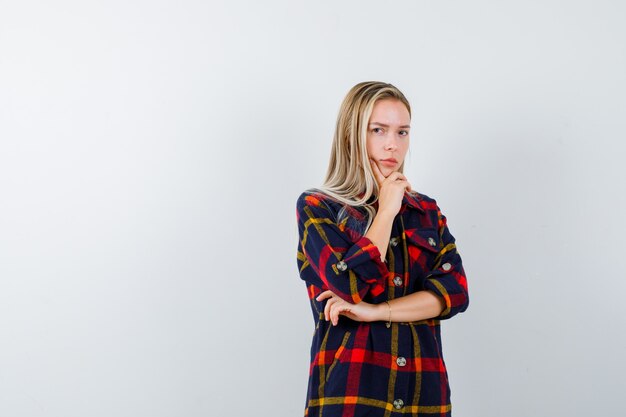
[[380, 232], [420, 305]]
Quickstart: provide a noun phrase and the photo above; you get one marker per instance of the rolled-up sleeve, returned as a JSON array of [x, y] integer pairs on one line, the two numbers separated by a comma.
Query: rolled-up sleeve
[[329, 259], [448, 279]]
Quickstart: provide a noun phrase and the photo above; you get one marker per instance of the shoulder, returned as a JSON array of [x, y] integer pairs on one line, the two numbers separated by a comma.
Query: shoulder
[[311, 197], [316, 197], [316, 200], [422, 197], [429, 205], [425, 201]]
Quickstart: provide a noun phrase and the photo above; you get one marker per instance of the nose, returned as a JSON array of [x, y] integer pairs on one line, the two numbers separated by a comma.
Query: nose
[[390, 143]]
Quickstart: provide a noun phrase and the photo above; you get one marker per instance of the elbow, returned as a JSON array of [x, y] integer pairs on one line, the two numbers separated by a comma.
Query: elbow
[[455, 302], [464, 301]]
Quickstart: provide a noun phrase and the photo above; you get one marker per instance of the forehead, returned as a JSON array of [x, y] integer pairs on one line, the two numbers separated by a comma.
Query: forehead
[[390, 112]]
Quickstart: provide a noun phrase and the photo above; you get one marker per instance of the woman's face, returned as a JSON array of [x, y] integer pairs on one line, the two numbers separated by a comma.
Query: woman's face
[[388, 134]]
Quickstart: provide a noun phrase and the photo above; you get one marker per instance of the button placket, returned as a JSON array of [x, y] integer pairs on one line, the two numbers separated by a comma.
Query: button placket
[[397, 280]]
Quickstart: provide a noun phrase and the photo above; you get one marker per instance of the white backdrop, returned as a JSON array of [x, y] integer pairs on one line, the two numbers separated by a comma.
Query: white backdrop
[[151, 154]]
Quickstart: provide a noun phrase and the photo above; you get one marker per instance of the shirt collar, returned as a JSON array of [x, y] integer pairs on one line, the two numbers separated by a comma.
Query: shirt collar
[[413, 200]]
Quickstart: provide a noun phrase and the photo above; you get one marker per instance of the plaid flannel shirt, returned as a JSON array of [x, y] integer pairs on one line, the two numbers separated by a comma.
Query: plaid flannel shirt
[[366, 369]]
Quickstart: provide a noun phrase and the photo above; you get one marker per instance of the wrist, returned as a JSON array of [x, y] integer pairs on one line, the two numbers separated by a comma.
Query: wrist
[[385, 215], [382, 312]]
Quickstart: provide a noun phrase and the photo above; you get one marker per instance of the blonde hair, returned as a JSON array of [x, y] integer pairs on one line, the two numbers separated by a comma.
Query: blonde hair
[[349, 178]]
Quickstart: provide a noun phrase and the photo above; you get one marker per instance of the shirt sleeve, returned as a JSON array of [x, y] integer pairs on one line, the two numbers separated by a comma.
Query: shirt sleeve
[[329, 259], [447, 279]]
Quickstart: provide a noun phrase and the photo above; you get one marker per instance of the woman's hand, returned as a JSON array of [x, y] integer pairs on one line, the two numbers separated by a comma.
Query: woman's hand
[[392, 189], [335, 306]]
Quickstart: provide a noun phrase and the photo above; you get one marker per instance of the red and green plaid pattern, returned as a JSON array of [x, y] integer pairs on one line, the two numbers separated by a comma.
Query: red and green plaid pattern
[[366, 369]]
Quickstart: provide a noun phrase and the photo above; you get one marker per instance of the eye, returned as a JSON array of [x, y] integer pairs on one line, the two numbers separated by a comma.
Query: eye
[[404, 132], [376, 129]]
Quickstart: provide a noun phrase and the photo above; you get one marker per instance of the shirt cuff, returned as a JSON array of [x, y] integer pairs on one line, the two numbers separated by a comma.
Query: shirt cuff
[[364, 259]]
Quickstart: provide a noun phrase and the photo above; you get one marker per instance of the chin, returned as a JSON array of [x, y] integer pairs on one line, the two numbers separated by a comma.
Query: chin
[[387, 171]]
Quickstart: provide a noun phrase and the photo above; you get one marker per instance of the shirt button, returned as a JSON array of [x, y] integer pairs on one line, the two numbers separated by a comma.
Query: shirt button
[[342, 266], [397, 281], [431, 241], [398, 404], [446, 266], [394, 241], [401, 361]]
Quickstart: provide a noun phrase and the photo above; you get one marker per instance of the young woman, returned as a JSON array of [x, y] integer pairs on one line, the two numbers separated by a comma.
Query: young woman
[[381, 268]]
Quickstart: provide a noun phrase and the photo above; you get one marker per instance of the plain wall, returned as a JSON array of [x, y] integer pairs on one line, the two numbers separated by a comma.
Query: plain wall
[[151, 155]]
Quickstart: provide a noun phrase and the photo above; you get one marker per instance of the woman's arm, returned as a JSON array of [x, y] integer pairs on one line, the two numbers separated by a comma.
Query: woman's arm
[[392, 189], [328, 258], [420, 305], [380, 232]]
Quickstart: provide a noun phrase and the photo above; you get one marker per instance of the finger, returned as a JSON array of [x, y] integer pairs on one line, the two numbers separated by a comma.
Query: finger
[[332, 309], [395, 175], [328, 307], [377, 173], [326, 294], [399, 182], [404, 182], [334, 314], [338, 309]]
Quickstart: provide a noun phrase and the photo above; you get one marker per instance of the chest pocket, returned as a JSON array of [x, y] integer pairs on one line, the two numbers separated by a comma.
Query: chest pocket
[[423, 246]]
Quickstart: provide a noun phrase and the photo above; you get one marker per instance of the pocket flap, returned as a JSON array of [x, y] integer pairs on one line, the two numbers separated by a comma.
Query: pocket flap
[[424, 238]]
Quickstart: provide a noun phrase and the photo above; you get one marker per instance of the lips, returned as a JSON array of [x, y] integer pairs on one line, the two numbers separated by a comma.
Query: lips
[[389, 162]]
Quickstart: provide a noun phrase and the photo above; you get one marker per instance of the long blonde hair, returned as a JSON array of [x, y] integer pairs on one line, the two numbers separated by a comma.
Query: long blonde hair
[[349, 178]]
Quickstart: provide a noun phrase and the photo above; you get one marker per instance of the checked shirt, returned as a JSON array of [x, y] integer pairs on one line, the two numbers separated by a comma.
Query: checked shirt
[[360, 369]]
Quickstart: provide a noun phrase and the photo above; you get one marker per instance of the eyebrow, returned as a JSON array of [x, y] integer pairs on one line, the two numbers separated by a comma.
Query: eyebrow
[[384, 125]]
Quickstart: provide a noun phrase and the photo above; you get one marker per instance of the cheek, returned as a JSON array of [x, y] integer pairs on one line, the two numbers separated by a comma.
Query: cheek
[[369, 149], [405, 148]]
